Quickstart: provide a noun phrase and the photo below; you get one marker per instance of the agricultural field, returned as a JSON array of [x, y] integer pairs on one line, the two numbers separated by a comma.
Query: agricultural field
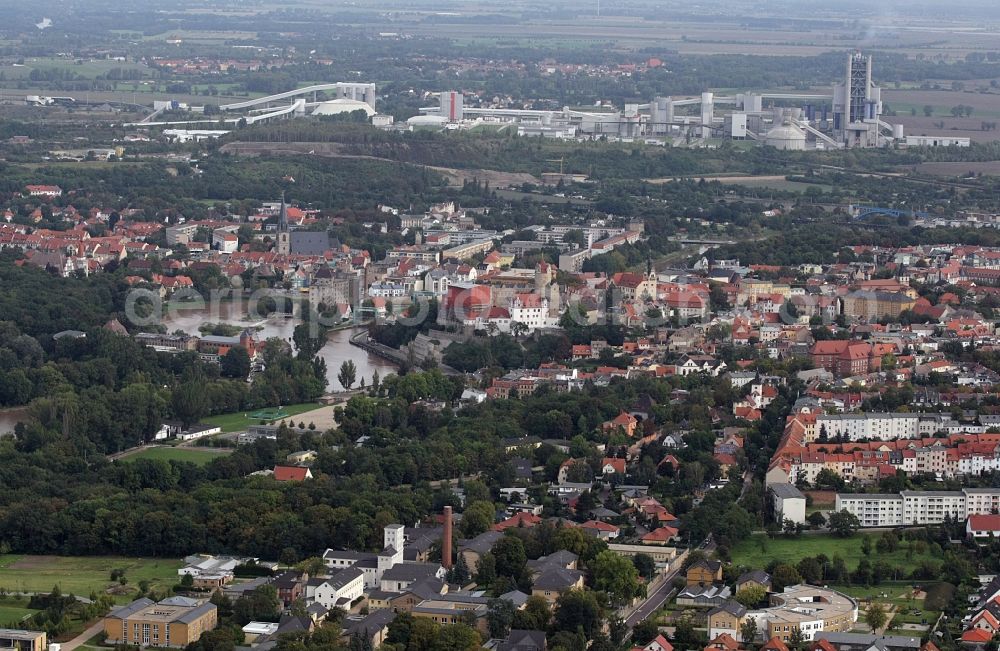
[[86, 68], [985, 105], [778, 183], [241, 420], [759, 550], [83, 575], [985, 168], [195, 455]]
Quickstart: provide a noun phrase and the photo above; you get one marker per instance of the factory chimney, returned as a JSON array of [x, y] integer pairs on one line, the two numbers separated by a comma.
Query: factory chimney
[[446, 540]]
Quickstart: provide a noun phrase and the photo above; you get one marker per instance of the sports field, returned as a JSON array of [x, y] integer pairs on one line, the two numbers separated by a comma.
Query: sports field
[[195, 455], [239, 421], [83, 575]]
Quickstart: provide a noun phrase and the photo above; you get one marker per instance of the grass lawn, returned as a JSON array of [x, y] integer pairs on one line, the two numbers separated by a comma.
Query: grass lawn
[[198, 456], [909, 609], [13, 610], [82, 575], [238, 422], [758, 550]]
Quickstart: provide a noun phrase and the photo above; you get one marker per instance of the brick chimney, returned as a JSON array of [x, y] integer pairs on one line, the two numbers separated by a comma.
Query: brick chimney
[[446, 540]]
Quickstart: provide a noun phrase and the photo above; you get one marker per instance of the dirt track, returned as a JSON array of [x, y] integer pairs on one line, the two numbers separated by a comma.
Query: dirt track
[[454, 176]]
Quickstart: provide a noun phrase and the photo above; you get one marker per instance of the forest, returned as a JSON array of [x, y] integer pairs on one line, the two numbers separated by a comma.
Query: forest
[[104, 392]]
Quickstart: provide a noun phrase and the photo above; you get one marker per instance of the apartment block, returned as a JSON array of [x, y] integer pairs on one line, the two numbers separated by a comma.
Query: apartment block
[[918, 507]]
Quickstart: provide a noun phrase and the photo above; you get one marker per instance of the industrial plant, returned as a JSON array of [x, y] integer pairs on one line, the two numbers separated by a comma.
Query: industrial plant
[[850, 116]]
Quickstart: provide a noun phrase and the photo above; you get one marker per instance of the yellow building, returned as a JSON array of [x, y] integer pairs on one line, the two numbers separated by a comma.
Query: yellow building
[[445, 612], [174, 622], [874, 305], [18, 640]]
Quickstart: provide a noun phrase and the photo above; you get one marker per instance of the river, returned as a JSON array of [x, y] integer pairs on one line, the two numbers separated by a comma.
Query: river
[[338, 347]]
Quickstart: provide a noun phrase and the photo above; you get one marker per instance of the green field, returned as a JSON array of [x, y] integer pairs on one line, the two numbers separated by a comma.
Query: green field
[[758, 550], [13, 610], [238, 422], [83, 575], [198, 456]]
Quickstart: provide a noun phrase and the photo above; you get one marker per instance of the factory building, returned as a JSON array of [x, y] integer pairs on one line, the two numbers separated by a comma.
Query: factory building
[[849, 115]]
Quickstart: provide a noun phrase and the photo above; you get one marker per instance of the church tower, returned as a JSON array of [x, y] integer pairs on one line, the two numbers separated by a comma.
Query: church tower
[[283, 243]]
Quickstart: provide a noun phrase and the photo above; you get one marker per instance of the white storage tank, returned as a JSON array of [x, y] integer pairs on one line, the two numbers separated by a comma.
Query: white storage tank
[[786, 136]]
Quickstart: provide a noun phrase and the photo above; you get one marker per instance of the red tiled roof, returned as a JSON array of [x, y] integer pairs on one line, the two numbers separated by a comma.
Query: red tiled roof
[[291, 473]]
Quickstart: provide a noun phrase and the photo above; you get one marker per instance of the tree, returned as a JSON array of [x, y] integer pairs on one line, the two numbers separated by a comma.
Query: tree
[[796, 639], [829, 480], [751, 595], [645, 565], [810, 570], [510, 556], [348, 374], [816, 519], [477, 518], [578, 609], [236, 363], [459, 573], [456, 637], [928, 110], [615, 575], [784, 575], [685, 637], [189, 402], [843, 523], [645, 631], [748, 631], [499, 617], [875, 616], [486, 570], [535, 616]]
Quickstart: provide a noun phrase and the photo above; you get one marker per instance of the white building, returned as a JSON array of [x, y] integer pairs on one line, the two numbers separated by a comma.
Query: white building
[[341, 589], [789, 503], [530, 309], [880, 426], [937, 141], [917, 507]]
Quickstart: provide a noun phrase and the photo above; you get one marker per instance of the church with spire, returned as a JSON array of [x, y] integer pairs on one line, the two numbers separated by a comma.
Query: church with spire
[[283, 241]]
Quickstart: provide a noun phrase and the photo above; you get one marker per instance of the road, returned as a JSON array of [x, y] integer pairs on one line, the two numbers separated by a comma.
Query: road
[[655, 601], [83, 637]]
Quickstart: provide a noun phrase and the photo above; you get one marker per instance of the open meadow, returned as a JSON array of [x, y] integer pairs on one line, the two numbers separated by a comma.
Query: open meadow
[[83, 575], [759, 550]]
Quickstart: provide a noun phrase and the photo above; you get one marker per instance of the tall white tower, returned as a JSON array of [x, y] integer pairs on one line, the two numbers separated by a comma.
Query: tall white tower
[[857, 104]]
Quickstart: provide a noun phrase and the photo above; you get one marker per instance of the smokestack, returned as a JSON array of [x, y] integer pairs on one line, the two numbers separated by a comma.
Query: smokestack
[[446, 540]]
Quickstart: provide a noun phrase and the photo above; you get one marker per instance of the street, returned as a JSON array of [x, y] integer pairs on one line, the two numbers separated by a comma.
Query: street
[[655, 601]]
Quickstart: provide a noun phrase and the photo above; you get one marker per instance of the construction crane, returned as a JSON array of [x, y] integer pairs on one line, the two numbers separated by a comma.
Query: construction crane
[[558, 160]]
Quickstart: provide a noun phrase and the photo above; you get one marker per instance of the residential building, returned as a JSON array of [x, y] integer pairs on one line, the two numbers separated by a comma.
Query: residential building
[[704, 572], [918, 507], [788, 502]]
